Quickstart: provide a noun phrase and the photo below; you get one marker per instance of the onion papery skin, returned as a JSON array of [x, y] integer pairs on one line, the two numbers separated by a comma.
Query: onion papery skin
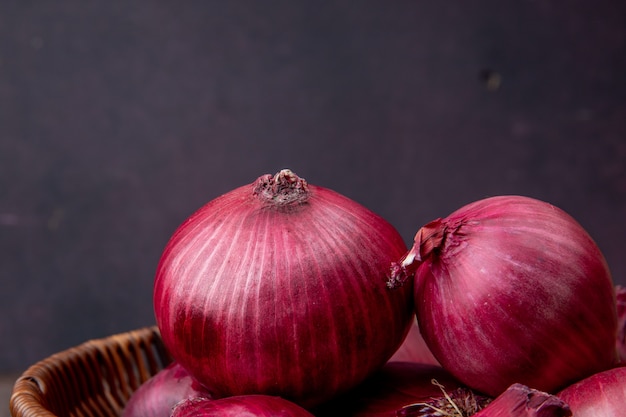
[[265, 292], [599, 395], [521, 401], [239, 406], [158, 395], [511, 289], [399, 388]]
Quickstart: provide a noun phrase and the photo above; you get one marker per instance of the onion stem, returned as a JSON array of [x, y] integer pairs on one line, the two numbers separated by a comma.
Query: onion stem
[[283, 188], [465, 403]]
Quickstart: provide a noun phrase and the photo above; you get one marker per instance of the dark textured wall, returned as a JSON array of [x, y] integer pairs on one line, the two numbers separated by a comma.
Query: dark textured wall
[[118, 119]]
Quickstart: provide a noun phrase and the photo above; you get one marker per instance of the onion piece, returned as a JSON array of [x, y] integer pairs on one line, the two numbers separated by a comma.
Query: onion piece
[[520, 401], [239, 406], [279, 288], [600, 395], [158, 395], [511, 289]]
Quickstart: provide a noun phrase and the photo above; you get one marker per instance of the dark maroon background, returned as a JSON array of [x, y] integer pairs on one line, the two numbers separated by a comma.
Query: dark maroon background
[[118, 119]]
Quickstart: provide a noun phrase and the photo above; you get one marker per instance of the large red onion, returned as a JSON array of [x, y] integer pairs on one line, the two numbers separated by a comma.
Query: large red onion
[[512, 289], [599, 395], [279, 287], [158, 395], [239, 406]]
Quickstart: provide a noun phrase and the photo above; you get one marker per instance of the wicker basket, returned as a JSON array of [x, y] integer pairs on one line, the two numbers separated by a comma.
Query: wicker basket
[[94, 379]]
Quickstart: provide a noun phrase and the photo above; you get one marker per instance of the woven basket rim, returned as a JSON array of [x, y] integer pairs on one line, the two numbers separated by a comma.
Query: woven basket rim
[[92, 379]]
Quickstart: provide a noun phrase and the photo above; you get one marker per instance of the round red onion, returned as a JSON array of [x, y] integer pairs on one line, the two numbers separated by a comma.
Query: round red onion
[[512, 289], [239, 406], [599, 395], [279, 288], [158, 395]]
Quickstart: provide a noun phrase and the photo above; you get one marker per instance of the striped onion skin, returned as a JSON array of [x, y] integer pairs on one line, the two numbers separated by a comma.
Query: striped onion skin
[[511, 289], [258, 295]]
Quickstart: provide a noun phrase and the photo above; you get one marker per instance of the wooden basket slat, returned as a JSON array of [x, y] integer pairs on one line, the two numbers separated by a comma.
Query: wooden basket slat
[[94, 379]]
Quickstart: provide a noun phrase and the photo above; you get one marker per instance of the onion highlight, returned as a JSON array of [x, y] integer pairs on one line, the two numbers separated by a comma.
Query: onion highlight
[[511, 289], [279, 288]]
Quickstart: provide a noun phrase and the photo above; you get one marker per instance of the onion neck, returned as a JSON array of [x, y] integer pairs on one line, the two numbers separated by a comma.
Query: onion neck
[[428, 240], [282, 189]]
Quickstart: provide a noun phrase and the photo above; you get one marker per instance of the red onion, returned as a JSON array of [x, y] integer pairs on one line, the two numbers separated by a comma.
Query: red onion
[[158, 395], [620, 292], [512, 289], [239, 406], [279, 288], [600, 395], [404, 388], [520, 401], [414, 348]]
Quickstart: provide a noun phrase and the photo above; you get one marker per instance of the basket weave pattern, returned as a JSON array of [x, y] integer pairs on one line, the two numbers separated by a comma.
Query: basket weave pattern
[[94, 379]]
